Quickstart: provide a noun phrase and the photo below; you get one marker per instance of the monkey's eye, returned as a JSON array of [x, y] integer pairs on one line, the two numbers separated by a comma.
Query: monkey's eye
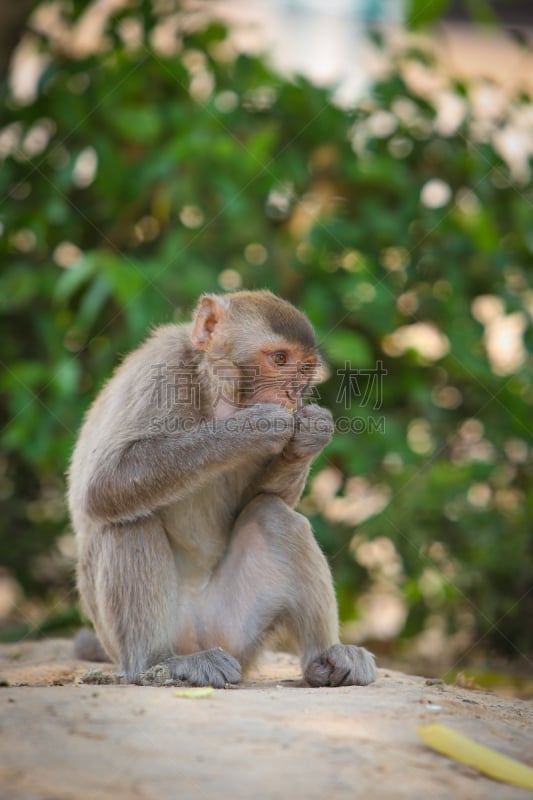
[[307, 367], [280, 358]]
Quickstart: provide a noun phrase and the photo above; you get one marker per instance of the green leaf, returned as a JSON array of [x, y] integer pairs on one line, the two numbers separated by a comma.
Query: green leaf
[[72, 279], [424, 12], [141, 124], [343, 347], [93, 302]]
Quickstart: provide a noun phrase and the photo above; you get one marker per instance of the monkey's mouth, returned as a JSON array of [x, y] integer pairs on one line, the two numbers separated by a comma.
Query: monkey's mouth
[[293, 401]]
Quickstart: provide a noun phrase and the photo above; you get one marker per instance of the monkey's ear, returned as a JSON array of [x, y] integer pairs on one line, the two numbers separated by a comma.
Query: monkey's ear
[[208, 321]]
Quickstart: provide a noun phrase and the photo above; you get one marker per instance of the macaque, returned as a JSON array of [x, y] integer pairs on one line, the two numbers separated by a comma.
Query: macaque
[[183, 485]]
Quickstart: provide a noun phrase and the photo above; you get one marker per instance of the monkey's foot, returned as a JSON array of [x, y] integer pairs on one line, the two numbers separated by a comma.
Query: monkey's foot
[[96, 676], [342, 665], [212, 667]]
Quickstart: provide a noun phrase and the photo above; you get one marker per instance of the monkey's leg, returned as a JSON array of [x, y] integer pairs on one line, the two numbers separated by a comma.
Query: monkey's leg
[[87, 646], [276, 575], [129, 583]]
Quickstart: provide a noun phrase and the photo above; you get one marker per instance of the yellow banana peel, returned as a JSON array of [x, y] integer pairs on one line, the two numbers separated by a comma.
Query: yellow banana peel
[[194, 691], [484, 759]]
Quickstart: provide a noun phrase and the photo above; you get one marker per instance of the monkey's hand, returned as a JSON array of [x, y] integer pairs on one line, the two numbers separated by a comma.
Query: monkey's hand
[[266, 426], [342, 665], [313, 429]]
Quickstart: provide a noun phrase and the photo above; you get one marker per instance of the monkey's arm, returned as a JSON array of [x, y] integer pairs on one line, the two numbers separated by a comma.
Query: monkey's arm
[[132, 478], [283, 478], [286, 475]]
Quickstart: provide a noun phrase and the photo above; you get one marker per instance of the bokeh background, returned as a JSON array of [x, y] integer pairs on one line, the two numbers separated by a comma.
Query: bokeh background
[[372, 164]]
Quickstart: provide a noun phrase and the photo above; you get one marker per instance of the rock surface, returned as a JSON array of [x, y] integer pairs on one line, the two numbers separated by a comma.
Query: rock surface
[[270, 738]]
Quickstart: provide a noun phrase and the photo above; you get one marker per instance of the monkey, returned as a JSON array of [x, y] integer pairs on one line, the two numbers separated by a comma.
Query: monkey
[[182, 492]]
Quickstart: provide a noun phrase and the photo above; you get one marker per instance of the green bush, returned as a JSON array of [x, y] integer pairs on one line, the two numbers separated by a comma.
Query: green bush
[[133, 182]]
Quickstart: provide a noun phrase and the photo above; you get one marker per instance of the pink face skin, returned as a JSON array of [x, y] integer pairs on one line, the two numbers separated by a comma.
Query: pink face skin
[[279, 376]]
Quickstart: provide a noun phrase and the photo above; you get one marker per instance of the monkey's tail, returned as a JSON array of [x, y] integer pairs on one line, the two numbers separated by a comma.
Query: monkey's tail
[[87, 646]]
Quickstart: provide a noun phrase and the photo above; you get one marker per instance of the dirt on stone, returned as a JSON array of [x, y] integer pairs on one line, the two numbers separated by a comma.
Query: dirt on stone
[[272, 737]]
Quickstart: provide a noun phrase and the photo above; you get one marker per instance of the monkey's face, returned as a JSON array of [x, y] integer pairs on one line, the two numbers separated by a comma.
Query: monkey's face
[[282, 374], [261, 349]]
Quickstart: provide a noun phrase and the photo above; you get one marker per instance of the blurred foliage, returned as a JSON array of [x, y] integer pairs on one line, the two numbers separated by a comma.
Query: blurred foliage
[[134, 181], [422, 13]]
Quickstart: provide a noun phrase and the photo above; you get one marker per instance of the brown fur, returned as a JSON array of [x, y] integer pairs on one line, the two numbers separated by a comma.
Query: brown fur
[[184, 507]]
